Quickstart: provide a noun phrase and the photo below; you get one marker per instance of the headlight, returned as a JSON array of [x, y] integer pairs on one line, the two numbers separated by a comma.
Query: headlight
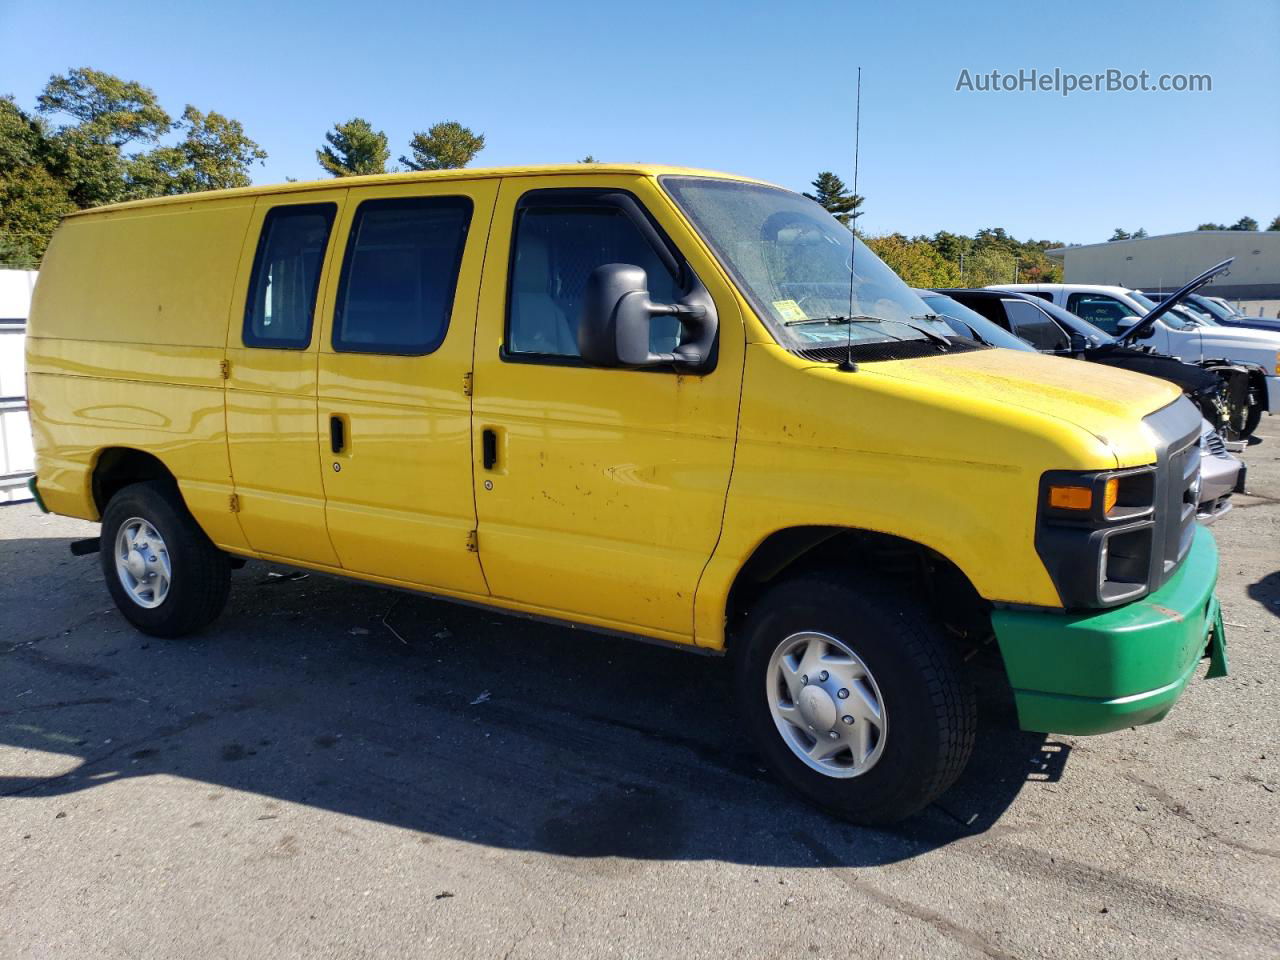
[[1094, 532]]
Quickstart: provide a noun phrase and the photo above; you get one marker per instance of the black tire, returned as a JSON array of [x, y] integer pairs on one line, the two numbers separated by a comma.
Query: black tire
[[1252, 419], [200, 572], [928, 704]]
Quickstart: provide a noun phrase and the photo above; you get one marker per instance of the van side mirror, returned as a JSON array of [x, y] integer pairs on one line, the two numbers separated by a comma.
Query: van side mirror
[[1124, 323], [613, 328], [1079, 343]]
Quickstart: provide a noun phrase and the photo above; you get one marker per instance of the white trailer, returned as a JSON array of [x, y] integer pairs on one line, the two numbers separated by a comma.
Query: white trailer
[[17, 460]]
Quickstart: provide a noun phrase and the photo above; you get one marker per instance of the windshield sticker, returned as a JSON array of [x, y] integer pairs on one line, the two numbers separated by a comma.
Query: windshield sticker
[[789, 311]]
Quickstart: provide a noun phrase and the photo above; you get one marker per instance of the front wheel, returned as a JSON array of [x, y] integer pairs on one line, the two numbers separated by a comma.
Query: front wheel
[[854, 698], [163, 572]]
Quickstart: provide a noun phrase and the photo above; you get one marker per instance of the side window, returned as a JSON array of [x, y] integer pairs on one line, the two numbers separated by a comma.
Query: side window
[[990, 308], [1032, 325], [554, 249], [395, 294], [286, 276], [1100, 310]]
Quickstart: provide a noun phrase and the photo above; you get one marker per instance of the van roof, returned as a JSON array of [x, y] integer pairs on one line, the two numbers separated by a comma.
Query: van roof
[[466, 173], [1067, 287]]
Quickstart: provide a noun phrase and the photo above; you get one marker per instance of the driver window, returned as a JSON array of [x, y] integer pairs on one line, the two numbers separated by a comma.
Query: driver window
[[554, 250], [1100, 310]]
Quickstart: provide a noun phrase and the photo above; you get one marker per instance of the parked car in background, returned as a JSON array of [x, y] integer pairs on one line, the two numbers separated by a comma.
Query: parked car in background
[[1222, 472], [967, 323], [1220, 390], [1129, 316], [1218, 313]]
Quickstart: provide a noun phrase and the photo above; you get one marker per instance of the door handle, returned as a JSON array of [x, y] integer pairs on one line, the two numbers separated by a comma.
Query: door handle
[[337, 433], [489, 448]]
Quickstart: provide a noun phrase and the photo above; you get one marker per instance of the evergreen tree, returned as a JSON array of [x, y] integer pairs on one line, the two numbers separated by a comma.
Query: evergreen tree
[[354, 148], [1275, 224], [1244, 223], [447, 145], [1120, 234], [831, 192]]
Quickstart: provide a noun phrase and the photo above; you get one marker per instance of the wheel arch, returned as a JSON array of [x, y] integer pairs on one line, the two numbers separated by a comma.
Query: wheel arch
[[934, 579], [114, 468]]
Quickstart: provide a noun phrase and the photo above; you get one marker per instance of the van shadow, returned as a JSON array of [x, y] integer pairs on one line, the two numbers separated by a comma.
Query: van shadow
[[1266, 592], [433, 717]]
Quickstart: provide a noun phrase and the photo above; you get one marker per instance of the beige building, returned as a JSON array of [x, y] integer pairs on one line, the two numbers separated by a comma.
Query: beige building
[[1166, 262]]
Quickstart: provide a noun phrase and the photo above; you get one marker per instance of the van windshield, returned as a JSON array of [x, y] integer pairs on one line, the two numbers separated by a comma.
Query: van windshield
[[792, 260]]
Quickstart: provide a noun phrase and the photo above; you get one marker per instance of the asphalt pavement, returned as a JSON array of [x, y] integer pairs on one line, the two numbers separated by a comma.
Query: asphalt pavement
[[335, 770]]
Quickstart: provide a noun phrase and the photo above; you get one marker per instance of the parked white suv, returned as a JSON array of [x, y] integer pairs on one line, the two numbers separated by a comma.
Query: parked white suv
[[1118, 309]]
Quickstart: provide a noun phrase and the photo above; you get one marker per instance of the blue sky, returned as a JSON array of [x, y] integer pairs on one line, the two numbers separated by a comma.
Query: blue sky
[[765, 89]]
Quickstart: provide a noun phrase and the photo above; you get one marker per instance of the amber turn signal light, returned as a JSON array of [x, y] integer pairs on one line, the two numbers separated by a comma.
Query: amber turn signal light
[[1110, 495], [1073, 498]]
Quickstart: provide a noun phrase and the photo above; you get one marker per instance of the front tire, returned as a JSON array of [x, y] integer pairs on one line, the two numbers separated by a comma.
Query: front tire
[[162, 571], [854, 698]]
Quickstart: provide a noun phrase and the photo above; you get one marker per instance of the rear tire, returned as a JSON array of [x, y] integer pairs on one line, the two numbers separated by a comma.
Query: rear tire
[[904, 717], [163, 572]]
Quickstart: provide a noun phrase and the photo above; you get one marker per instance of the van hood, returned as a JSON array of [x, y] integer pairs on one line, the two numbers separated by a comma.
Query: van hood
[[1104, 401]]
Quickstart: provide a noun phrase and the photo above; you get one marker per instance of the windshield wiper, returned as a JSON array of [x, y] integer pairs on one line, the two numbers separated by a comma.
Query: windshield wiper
[[942, 341], [968, 326]]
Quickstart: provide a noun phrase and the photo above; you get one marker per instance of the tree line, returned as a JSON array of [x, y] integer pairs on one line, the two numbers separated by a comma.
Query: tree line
[[1244, 223], [944, 259], [94, 138]]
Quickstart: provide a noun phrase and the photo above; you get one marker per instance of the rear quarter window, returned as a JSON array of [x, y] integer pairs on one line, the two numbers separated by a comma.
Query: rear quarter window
[[286, 276]]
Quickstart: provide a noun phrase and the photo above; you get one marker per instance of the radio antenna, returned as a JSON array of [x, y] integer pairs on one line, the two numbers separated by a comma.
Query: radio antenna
[[849, 366]]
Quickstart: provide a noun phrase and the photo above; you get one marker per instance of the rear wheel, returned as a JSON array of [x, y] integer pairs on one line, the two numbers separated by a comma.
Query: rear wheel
[[163, 572], [854, 697]]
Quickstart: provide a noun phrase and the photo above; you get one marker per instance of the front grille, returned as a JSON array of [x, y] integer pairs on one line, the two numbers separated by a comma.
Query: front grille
[[1176, 436], [1184, 472]]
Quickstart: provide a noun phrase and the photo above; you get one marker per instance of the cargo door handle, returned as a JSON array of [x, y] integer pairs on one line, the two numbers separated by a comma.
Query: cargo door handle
[[337, 434], [489, 449]]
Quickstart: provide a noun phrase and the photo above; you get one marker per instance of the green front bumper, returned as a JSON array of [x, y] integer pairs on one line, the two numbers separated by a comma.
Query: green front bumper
[[1098, 672]]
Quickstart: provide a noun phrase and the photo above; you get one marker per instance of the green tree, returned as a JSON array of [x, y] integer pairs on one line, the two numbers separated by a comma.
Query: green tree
[[916, 260], [1120, 234], [1140, 234], [830, 191], [32, 202], [213, 154], [446, 145], [46, 172], [1275, 224], [106, 108], [952, 246], [989, 265], [590, 159], [354, 148], [1244, 223], [1211, 226], [32, 199]]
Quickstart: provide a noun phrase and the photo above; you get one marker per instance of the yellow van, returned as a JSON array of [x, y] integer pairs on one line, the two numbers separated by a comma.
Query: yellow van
[[678, 405]]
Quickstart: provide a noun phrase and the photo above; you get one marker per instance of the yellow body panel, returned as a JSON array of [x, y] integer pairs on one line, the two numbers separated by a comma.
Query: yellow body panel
[[399, 495], [125, 347], [620, 499], [271, 414], [609, 488]]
